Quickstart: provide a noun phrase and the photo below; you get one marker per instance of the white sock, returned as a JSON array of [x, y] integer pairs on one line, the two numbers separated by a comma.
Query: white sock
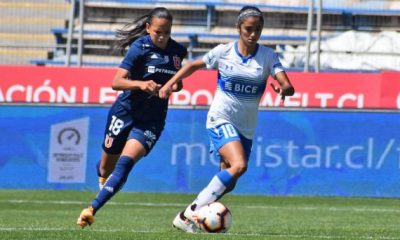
[[210, 193]]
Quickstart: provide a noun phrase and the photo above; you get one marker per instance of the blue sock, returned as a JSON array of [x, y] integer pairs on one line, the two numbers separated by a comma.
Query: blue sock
[[225, 177], [215, 189], [228, 180], [114, 182]]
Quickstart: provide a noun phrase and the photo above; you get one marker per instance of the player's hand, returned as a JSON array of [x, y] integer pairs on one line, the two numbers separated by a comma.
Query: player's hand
[[165, 91], [150, 87], [279, 91]]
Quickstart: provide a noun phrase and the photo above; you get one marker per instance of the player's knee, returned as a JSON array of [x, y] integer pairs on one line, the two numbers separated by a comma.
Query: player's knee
[[239, 168]]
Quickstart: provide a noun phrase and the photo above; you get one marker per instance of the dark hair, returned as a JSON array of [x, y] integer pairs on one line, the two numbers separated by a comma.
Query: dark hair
[[248, 11], [130, 32]]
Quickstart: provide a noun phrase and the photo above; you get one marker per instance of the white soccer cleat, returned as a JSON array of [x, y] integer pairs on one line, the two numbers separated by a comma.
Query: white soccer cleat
[[184, 224], [190, 214]]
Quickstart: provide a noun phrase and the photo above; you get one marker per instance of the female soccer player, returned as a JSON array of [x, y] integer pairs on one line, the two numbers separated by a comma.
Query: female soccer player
[[243, 68], [137, 118]]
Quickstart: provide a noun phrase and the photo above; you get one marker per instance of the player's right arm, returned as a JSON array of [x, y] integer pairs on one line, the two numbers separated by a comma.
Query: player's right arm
[[121, 82], [184, 72]]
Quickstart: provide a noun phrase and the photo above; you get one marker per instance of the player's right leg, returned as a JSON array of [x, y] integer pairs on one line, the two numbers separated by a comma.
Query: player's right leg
[[119, 124], [133, 151], [86, 217]]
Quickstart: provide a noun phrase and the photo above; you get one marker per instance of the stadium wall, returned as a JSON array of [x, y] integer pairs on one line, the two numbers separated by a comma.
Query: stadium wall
[[303, 151]]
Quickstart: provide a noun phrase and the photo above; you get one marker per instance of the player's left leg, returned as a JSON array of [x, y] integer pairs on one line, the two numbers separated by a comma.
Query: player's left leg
[[106, 166]]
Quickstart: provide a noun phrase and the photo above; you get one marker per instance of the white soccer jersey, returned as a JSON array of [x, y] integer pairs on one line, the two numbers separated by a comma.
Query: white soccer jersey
[[241, 83]]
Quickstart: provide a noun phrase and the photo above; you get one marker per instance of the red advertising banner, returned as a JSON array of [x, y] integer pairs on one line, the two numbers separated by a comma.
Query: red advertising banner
[[33, 84]]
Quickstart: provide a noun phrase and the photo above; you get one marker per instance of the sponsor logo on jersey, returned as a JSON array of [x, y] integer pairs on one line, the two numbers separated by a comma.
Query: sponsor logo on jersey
[[153, 69], [154, 56], [241, 88]]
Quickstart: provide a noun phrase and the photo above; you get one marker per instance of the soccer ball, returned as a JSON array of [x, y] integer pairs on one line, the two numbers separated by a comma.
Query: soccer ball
[[214, 218]]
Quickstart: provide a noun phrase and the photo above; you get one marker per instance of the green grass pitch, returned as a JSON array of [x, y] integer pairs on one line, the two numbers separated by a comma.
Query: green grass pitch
[[52, 215]]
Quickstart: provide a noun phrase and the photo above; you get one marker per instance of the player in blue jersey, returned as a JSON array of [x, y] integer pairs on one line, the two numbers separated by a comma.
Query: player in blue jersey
[[137, 118], [243, 68]]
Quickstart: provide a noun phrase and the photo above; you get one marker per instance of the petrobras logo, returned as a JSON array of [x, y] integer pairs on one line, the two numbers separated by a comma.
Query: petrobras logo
[[153, 69]]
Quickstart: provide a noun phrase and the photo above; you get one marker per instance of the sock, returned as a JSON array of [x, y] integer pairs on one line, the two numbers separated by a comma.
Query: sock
[[114, 182], [215, 189], [102, 181], [228, 189]]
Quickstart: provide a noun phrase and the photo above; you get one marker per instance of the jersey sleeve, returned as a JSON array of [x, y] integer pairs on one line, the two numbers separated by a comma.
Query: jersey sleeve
[[131, 57], [183, 53], [275, 64], [211, 58]]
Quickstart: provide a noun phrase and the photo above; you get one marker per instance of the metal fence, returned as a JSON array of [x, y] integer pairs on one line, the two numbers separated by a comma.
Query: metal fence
[[81, 32]]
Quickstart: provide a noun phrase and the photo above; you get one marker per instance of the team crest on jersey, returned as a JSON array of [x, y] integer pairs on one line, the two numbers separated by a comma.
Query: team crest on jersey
[[177, 61], [108, 141], [166, 59]]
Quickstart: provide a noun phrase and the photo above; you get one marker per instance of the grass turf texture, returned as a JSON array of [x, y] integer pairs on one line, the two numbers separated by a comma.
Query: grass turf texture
[[52, 215]]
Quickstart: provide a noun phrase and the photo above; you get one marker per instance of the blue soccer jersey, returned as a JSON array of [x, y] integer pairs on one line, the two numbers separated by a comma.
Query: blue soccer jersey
[[135, 113], [241, 83], [145, 61]]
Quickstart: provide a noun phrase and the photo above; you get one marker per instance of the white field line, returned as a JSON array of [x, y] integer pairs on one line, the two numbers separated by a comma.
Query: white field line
[[283, 236], [153, 204]]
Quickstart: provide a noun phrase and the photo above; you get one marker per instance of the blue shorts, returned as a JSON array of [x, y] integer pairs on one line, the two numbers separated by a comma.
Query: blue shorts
[[122, 126], [225, 133]]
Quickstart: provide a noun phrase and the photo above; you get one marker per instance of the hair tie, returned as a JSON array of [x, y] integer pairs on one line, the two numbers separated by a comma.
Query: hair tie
[[248, 13]]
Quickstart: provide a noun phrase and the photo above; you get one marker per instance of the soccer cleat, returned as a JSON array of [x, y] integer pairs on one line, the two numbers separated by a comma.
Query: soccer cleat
[[86, 217], [182, 223], [102, 182], [190, 214]]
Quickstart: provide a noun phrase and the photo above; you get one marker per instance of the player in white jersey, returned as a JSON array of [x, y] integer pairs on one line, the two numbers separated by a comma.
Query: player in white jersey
[[243, 68]]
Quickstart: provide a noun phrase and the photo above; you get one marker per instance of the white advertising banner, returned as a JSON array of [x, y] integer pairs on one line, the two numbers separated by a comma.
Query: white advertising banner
[[68, 151]]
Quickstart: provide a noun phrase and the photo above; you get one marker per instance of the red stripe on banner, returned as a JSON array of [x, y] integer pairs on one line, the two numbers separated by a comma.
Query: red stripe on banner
[[33, 84]]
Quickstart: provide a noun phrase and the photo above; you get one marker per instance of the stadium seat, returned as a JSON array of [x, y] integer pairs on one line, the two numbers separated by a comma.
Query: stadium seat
[[202, 25]]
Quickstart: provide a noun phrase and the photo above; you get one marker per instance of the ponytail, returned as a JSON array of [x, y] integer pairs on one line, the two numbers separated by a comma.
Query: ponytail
[[132, 31]]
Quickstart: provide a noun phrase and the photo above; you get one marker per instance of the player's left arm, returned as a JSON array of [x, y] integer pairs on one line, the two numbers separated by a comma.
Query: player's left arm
[[286, 88]]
